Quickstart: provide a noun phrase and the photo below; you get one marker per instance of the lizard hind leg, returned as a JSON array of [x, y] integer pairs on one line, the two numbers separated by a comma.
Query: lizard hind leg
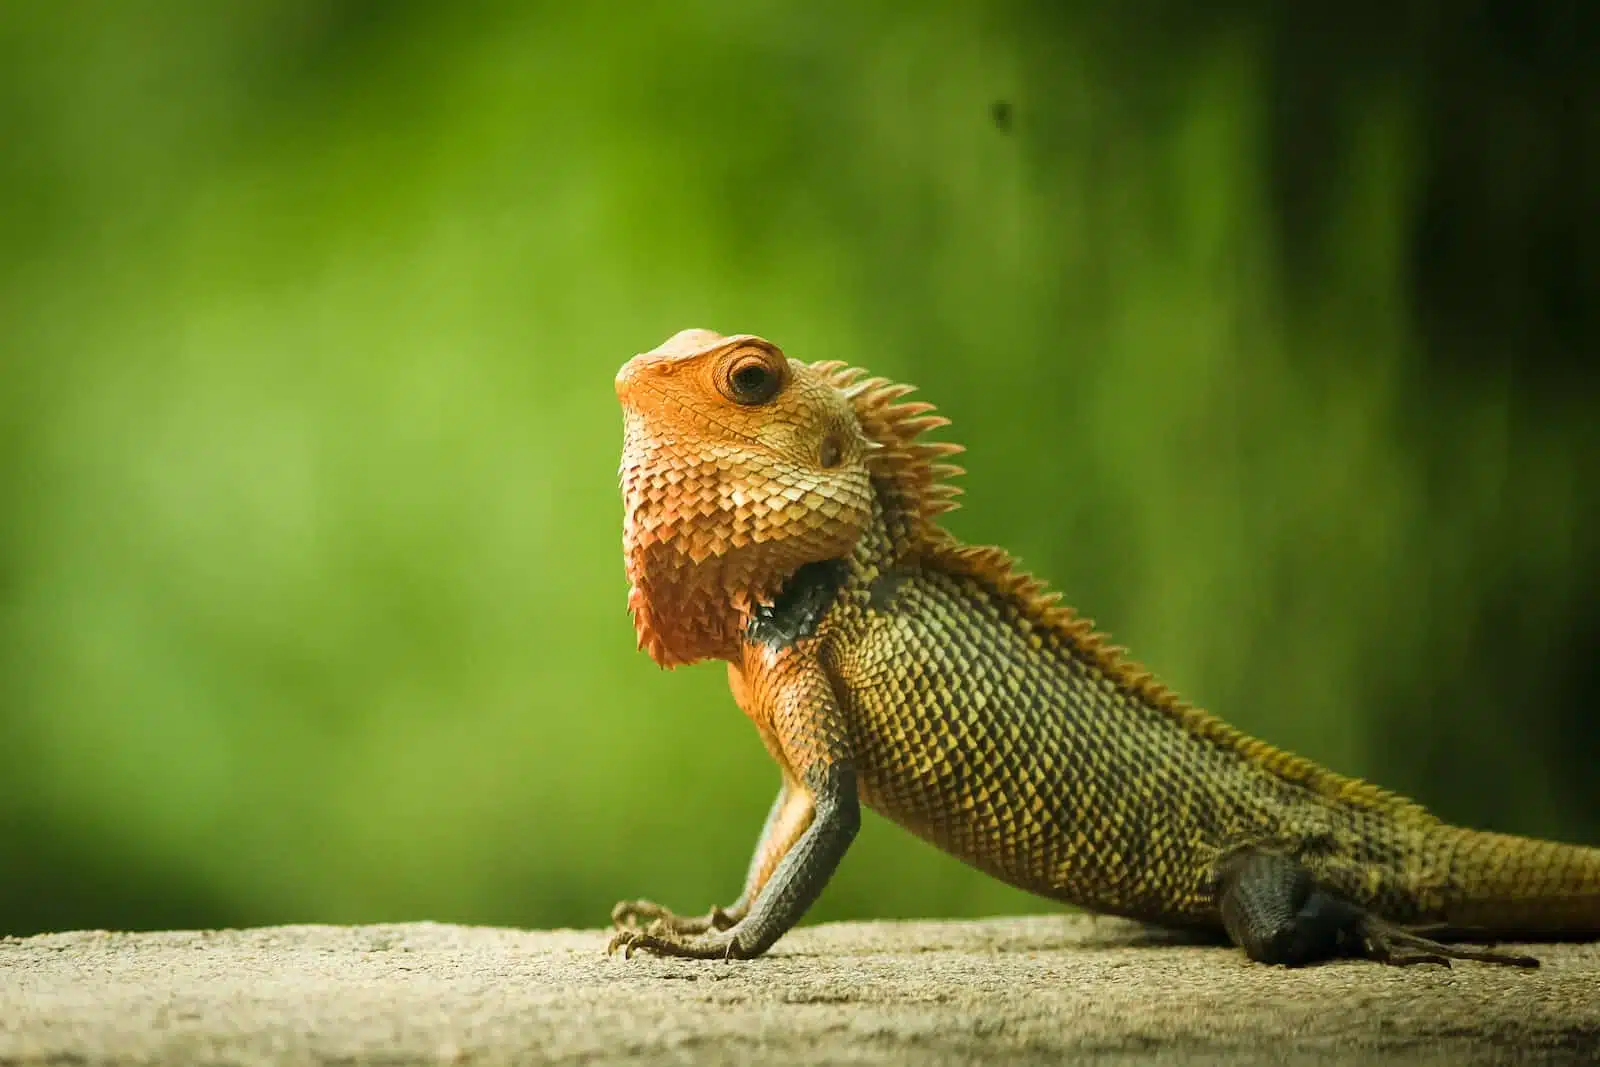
[[1273, 908]]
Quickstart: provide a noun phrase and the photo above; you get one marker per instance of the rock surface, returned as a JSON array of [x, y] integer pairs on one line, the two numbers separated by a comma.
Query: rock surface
[[1044, 990]]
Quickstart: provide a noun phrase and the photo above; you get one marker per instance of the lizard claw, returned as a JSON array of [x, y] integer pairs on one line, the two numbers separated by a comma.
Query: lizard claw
[[637, 914], [652, 917], [622, 939], [721, 945]]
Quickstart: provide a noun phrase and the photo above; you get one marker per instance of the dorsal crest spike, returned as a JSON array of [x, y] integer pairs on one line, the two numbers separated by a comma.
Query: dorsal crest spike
[[892, 391], [865, 388], [939, 449], [922, 423], [905, 467]]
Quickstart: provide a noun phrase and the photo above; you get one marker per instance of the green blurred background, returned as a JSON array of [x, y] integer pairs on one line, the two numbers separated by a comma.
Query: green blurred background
[[1266, 328]]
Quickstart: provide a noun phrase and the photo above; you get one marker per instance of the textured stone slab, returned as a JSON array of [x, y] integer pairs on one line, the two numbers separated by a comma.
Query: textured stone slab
[[1042, 990]]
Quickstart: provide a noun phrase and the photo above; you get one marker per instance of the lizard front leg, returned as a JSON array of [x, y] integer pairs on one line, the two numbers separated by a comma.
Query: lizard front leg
[[812, 831], [788, 818]]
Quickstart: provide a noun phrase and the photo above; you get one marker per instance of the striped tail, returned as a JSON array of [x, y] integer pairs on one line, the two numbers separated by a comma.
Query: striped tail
[[1522, 887]]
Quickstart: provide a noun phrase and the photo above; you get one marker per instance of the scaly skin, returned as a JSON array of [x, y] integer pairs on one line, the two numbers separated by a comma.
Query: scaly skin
[[781, 517]]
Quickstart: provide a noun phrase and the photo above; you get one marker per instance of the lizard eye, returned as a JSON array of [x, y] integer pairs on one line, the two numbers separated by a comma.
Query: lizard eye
[[751, 379]]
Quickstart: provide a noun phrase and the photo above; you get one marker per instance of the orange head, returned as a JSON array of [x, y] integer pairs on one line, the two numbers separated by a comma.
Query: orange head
[[738, 467]]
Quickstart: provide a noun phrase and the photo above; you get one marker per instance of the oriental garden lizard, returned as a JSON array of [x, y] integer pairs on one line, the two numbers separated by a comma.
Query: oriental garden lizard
[[782, 517]]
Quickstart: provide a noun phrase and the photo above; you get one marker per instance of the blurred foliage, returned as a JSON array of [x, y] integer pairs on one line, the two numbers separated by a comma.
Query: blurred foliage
[[1265, 327]]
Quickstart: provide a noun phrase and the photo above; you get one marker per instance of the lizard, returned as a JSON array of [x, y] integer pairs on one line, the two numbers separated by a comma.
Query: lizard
[[782, 517]]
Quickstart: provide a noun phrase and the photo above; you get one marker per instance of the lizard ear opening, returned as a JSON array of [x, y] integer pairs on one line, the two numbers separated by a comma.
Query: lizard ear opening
[[752, 376]]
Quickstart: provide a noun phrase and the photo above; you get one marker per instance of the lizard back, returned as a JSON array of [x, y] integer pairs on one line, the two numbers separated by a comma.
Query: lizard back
[[1000, 726], [982, 727]]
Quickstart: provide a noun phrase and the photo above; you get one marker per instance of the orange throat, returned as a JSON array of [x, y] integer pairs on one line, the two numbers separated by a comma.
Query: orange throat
[[701, 551], [685, 612]]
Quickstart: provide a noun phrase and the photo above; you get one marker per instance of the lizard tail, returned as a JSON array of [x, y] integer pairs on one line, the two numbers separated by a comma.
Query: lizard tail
[[1513, 886]]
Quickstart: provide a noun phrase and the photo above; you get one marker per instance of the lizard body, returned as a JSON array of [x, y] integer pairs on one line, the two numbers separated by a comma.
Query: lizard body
[[782, 517]]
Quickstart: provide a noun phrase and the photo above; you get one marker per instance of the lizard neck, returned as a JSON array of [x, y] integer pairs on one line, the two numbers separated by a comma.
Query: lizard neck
[[799, 607]]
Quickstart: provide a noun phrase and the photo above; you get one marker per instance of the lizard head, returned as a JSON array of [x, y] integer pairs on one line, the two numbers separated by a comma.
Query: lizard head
[[739, 466]]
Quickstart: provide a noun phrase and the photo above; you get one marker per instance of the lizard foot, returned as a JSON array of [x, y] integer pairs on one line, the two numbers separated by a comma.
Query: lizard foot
[[652, 917], [1398, 947], [722, 945]]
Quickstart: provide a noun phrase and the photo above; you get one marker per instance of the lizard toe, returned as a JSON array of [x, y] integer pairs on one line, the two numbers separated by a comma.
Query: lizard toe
[[718, 946], [638, 914], [1398, 947]]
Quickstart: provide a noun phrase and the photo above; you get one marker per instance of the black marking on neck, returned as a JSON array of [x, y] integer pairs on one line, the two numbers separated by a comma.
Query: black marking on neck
[[881, 592], [799, 606]]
